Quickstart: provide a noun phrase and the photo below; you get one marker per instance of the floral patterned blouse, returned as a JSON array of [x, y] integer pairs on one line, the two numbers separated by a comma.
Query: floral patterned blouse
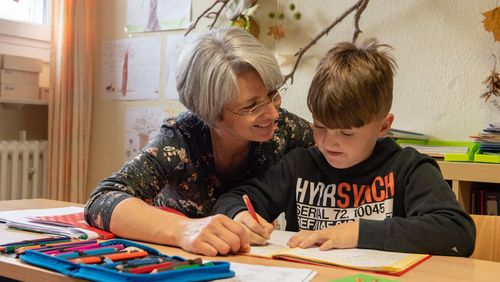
[[177, 170]]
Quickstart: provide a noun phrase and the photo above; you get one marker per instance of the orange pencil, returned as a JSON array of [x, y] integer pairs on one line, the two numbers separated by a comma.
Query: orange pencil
[[250, 208], [87, 260], [127, 256]]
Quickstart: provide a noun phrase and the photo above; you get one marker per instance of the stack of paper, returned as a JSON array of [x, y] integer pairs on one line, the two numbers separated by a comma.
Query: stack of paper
[[66, 221], [437, 151]]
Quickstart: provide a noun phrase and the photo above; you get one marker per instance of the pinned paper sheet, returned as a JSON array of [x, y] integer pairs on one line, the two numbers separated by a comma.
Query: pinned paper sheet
[[131, 69]]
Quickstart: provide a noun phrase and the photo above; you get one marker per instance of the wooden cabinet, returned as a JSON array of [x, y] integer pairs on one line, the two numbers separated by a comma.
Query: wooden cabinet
[[464, 176]]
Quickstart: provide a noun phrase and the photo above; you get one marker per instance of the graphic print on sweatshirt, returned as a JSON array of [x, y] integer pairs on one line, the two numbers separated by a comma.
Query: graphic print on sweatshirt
[[321, 205]]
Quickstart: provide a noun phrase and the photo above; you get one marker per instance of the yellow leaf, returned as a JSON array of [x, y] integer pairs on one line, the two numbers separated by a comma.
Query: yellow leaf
[[492, 22]]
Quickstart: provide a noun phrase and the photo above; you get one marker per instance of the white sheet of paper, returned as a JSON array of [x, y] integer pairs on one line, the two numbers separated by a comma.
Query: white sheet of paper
[[277, 242], [251, 273], [155, 15], [13, 215]]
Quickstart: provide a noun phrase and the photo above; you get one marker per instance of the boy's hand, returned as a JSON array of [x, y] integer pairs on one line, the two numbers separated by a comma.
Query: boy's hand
[[340, 236], [258, 233]]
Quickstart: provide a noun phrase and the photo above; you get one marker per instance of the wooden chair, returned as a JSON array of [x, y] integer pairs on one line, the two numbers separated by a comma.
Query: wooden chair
[[487, 237]]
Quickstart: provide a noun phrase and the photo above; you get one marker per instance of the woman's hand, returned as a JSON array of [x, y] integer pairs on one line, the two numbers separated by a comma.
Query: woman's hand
[[341, 236], [212, 235], [258, 233]]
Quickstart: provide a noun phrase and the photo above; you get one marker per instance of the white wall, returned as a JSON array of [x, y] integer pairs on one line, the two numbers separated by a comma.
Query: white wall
[[443, 55], [441, 47]]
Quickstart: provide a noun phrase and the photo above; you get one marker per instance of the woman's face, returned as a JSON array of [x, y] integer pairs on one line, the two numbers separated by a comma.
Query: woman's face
[[251, 116]]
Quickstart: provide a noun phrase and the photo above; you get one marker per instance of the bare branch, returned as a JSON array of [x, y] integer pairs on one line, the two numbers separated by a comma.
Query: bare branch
[[301, 51], [357, 16], [224, 3], [208, 13]]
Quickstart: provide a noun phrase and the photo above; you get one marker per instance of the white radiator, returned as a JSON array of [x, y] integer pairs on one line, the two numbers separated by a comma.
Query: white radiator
[[23, 169]]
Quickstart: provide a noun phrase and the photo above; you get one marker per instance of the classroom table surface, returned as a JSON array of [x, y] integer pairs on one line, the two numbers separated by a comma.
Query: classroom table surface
[[436, 268]]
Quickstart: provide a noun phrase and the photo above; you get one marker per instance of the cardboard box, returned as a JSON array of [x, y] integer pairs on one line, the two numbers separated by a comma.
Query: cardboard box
[[21, 63], [19, 77], [18, 91], [44, 93]]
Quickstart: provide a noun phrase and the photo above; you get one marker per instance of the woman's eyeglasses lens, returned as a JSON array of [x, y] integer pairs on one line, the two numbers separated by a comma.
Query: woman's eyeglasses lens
[[274, 97]]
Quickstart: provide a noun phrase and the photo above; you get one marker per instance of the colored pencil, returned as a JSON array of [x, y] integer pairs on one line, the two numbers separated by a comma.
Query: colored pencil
[[134, 263], [114, 257], [177, 264], [250, 208], [91, 252], [148, 268]]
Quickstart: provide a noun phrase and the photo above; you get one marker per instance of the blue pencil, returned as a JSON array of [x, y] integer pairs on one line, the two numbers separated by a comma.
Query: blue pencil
[[94, 252], [38, 241]]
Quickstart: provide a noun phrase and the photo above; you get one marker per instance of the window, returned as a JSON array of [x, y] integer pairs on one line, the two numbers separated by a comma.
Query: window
[[25, 28], [30, 11]]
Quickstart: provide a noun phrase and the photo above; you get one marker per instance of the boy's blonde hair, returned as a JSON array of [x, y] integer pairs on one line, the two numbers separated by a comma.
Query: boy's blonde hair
[[352, 85]]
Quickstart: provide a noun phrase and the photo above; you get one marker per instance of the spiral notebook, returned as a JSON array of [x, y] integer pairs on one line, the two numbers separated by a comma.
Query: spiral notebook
[[66, 221]]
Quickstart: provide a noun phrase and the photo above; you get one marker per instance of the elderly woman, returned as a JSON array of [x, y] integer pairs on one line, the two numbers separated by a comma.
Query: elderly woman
[[234, 130]]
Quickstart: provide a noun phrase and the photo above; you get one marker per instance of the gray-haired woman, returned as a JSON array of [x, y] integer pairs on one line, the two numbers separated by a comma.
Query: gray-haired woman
[[234, 130]]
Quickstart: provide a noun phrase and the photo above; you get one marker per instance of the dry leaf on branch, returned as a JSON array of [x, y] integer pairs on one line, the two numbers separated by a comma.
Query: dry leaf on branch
[[492, 82]]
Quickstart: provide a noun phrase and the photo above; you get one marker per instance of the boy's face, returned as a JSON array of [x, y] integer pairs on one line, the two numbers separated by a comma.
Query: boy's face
[[344, 148]]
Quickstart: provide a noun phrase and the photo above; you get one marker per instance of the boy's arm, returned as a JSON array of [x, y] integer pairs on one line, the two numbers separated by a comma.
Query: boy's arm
[[269, 194], [433, 223]]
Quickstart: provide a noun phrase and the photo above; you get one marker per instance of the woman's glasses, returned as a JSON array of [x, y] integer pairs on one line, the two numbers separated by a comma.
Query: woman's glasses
[[273, 97]]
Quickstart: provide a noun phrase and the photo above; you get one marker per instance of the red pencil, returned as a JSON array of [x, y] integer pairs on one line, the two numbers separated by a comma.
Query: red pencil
[[150, 267], [249, 205]]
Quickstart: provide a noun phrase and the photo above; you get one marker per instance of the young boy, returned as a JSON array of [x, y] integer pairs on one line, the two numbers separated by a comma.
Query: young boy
[[356, 188]]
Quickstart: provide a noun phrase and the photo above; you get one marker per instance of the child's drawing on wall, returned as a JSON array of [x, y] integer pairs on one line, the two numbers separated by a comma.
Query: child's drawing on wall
[[131, 68], [141, 125]]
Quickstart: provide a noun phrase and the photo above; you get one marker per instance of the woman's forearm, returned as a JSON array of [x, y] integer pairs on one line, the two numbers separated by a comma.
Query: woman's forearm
[[134, 219]]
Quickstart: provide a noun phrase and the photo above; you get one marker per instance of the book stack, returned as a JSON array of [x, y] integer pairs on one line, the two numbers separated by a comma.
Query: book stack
[[404, 134], [489, 140], [449, 150]]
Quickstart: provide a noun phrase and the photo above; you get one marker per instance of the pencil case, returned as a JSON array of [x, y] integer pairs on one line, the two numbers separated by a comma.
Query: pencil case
[[99, 272]]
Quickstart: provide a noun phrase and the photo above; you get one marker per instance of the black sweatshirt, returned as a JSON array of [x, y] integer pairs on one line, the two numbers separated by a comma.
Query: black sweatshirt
[[398, 195]]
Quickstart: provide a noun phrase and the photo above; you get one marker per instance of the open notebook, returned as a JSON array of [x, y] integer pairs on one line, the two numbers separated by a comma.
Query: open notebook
[[364, 259]]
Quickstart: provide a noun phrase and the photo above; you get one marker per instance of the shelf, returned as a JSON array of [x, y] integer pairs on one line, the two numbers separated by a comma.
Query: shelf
[[22, 101], [474, 172], [466, 175]]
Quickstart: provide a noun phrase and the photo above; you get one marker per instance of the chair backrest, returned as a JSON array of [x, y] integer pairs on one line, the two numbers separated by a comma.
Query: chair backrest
[[487, 237]]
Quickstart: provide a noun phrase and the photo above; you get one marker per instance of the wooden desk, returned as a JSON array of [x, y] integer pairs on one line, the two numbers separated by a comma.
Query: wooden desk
[[437, 268]]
